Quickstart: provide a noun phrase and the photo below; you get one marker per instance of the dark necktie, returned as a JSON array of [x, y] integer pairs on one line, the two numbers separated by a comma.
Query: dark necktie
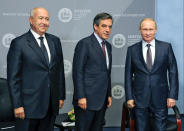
[[149, 57], [103, 48], [44, 51]]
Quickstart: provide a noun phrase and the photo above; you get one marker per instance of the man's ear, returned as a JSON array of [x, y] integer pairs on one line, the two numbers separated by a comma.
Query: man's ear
[[95, 27], [30, 20]]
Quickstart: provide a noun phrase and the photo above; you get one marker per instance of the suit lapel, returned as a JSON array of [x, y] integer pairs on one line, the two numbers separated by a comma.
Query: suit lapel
[[51, 48], [157, 54], [109, 54], [98, 49], [34, 45], [141, 56]]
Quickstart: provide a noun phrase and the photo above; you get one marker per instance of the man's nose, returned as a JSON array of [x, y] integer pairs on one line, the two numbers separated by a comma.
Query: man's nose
[[45, 21], [108, 29]]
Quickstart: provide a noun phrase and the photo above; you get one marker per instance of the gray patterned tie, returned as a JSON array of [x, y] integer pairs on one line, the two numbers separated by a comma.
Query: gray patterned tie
[[149, 57]]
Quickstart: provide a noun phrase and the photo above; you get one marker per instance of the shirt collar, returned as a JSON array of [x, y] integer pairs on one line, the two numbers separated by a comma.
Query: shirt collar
[[98, 38], [36, 35], [152, 43]]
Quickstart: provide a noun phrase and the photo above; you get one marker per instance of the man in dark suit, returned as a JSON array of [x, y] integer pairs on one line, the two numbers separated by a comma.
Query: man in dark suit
[[92, 76], [149, 64], [35, 75]]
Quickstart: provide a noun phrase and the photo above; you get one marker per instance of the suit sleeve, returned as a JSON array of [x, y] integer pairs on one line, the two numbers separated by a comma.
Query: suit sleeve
[[109, 87], [110, 67], [61, 74], [128, 75], [173, 74], [79, 60], [14, 73]]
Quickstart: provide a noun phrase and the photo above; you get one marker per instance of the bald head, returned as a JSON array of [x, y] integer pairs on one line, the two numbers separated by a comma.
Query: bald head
[[36, 9], [148, 29], [149, 20], [39, 20]]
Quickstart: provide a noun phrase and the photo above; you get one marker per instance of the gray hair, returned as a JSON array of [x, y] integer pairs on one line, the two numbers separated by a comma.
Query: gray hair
[[33, 11]]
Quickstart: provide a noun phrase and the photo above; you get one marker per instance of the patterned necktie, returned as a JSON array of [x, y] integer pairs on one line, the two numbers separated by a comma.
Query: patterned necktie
[[149, 57], [44, 51], [103, 48]]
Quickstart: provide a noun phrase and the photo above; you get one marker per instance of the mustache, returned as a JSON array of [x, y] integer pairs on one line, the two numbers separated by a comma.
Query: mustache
[[44, 25]]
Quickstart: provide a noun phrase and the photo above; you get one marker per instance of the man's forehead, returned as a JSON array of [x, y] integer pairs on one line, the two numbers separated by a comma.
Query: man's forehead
[[106, 21], [147, 22], [41, 11]]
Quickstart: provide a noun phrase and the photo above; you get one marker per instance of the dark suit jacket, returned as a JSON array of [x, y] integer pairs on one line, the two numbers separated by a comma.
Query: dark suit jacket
[[92, 79], [32, 82], [151, 87]]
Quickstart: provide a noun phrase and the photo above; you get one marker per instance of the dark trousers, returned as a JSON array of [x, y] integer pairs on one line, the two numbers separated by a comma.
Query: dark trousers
[[45, 124], [149, 119], [89, 120]]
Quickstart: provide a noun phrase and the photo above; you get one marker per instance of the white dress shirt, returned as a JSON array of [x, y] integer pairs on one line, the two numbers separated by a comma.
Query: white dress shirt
[[100, 41], [36, 36], [145, 48]]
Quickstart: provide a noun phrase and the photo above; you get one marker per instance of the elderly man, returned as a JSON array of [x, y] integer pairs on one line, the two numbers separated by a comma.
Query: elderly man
[[35, 75]]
